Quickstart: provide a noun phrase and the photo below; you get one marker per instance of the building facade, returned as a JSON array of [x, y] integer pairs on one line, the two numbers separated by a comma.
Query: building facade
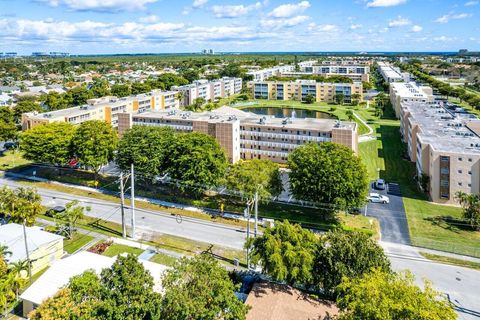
[[300, 89], [208, 90], [357, 73], [105, 109], [392, 74], [245, 135], [401, 92]]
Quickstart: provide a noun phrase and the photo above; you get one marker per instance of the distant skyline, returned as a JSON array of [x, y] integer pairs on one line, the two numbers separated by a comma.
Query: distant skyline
[[166, 26]]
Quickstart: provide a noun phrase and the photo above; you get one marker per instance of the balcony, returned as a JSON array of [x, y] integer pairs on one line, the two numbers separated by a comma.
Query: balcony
[[284, 136]]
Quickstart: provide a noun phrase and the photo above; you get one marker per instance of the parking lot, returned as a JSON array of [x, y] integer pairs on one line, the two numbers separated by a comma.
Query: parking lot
[[393, 222]]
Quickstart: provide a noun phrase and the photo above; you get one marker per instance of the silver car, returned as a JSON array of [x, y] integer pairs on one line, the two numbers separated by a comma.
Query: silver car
[[378, 198]]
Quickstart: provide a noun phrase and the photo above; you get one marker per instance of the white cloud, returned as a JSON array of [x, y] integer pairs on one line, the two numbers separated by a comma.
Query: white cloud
[[451, 16], [471, 3], [199, 3], [149, 19], [443, 39], [385, 3], [233, 11], [399, 22], [102, 5], [355, 26], [417, 28], [283, 23], [322, 27], [289, 10]]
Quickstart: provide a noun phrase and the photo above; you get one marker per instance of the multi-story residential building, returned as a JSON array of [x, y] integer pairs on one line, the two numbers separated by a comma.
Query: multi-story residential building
[[299, 89], [245, 135], [392, 74], [408, 92], [444, 143], [209, 90], [264, 74], [355, 72], [105, 108]]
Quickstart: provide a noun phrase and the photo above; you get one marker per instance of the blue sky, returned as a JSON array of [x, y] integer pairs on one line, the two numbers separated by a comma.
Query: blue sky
[[158, 26]]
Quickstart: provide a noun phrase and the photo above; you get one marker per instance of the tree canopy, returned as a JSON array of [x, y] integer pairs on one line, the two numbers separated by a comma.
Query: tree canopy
[[248, 177], [285, 252], [94, 143], [380, 295], [471, 208], [328, 173], [199, 288], [346, 254], [20, 205], [48, 143]]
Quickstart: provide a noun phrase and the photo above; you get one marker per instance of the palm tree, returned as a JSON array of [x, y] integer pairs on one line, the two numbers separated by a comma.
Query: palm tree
[[4, 251], [16, 269]]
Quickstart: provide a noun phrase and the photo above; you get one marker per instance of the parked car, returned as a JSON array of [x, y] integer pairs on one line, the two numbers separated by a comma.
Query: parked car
[[380, 184], [9, 145], [355, 210], [54, 211], [378, 198]]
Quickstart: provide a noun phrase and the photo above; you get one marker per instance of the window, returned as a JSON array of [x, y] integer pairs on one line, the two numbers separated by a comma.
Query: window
[[469, 172], [460, 171], [460, 159], [470, 159], [460, 184]]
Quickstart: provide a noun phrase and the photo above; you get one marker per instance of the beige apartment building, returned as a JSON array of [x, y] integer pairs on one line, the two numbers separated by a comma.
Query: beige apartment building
[[401, 92], [105, 108], [300, 89], [357, 73], [244, 135], [209, 90], [444, 143]]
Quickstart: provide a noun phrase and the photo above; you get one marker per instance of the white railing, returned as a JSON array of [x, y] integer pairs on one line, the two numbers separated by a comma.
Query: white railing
[[264, 152], [285, 136], [173, 126]]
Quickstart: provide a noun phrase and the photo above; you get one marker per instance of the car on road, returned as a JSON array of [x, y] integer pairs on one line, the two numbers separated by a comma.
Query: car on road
[[380, 184], [10, 145], [54, 211], [378, 198]]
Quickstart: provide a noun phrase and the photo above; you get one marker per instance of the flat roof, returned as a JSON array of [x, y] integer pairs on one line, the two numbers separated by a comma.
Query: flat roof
[[59, 274], [226, 113], [408, 90], [11, 235]]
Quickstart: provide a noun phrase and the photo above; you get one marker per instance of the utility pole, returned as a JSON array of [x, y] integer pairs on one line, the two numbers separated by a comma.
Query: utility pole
[[247, 211], [26, 251], [122, 208], [132, 193], [256, 214]]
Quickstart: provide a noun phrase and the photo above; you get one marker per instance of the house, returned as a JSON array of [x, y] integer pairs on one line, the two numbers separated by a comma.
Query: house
[[271, 301], [59, 274], [44, 247]]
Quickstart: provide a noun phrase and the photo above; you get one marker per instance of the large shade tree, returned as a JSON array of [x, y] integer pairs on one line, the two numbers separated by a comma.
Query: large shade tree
[[329, 174], [48, 143]]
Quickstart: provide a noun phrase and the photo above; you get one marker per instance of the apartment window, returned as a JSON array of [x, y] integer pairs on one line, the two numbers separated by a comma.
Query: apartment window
[[460, 159], [469, 185], [469, 172], [460, 171], [460, 184]]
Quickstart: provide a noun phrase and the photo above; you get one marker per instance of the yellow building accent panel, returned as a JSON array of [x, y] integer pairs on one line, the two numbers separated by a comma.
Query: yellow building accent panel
[[153, 103], [108, 114], [135, 105], [163, 102]]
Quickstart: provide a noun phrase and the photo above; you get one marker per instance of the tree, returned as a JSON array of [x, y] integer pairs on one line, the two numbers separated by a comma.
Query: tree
[[381, 295], [309, 99], [8, 130], [21, 205], [339, 98], [68, 219], [197, 104], [285, 252], [121, 90], [138, 87], [197, 161], [346, 254], [147, 148], [367, 85], [191, 74], [93, 144], [54, 101], [48, 143], [25, 106], [199, 288], [99, 88], [169, 80], [255, 176], [471, 208], [329, 173], [349, 114], [77, 96]]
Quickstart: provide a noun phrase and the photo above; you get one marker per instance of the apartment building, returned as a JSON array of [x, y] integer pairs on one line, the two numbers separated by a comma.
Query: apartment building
[[299, 89], [355, 72], [244, 135], [392, 74], [208, 90], [264, 74], [105, 108], [444, 143], [408, 92]]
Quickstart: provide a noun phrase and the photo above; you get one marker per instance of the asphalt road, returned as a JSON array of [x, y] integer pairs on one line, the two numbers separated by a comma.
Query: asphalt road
[[460, 285], [148, 222], [392, 218]]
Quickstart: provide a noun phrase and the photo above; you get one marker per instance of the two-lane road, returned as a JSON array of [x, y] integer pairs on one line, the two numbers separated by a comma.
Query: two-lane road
[[147, 221]]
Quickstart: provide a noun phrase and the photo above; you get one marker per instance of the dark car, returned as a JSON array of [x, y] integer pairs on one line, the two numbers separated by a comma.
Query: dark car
[[380, 184], [54, 211], [9, 145]]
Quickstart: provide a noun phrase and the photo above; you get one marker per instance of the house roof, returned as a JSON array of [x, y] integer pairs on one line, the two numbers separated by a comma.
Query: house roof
[[282, 302], [58, 275], [11, 235]]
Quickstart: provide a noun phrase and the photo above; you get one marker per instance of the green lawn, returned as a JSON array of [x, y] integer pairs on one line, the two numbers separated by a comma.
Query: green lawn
[[12, 159], [116, 249], [453, 261], [78, 240], [163, 259]]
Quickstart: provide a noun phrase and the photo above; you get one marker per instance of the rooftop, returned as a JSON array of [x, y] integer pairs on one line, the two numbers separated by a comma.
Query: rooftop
[[409, 90], [11, 235]]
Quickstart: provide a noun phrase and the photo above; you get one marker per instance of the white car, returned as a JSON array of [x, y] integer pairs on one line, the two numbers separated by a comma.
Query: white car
[[378, 198]]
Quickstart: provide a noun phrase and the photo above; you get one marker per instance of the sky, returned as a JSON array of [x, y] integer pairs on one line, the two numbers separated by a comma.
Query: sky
[[168, 26]]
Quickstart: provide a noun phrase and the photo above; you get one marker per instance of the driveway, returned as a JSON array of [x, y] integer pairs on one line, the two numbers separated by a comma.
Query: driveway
[[392, 218]]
